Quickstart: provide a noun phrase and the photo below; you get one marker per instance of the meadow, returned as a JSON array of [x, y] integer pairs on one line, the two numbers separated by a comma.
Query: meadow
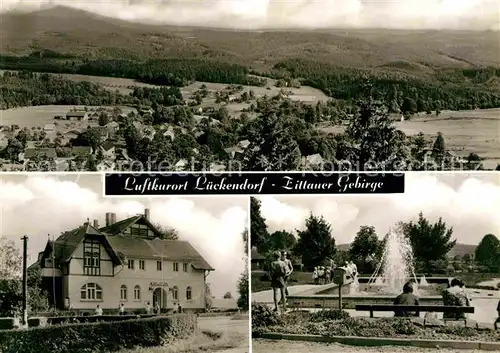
[[464, 132], [40, 115]]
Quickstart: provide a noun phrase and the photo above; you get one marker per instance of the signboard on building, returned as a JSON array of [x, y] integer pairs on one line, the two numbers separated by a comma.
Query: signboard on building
[[158, 284]]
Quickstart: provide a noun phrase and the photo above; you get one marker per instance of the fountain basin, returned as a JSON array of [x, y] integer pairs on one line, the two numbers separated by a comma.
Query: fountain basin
[[429, 280]]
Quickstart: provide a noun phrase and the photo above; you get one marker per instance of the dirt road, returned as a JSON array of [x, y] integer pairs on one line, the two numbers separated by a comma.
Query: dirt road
[[265, 346]]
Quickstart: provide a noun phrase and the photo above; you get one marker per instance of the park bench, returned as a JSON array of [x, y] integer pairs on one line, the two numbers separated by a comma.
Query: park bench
[[415, 308]]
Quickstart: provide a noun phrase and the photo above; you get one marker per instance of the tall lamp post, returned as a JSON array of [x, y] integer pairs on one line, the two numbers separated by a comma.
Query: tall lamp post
[[25, 280]]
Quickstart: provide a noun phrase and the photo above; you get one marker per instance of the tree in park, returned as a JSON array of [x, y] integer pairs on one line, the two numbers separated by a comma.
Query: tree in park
[[228, 295], [468, 259], [488, 253], [258, 226], [11, 282], [431, 242], [243, 286], [364, 248], [316, 243], [280, 240]]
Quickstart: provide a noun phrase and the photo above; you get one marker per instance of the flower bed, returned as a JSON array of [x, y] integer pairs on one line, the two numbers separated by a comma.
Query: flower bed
[[331, 323]]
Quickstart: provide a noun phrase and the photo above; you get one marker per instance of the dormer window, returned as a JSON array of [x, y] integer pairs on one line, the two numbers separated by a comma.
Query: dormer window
[[140, 230]]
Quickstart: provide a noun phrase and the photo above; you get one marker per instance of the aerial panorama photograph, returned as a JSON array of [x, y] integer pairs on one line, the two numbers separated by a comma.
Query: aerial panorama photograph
[[253, 85]]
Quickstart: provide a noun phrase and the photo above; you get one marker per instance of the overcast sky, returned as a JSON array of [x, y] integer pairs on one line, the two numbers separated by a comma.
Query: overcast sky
[[254, 14], [469, 203], [41, 205]]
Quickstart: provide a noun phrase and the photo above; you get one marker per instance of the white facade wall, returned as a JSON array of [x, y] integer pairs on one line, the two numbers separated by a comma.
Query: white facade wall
[[111, 280]]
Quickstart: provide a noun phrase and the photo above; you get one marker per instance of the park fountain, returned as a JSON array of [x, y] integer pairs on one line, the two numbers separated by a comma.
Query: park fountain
[[423, 282], [354, 286], [396, 265], [395, 268]]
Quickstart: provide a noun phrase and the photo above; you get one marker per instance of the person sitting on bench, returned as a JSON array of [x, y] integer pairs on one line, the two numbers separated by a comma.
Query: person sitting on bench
[[406, 298], [455, 295]]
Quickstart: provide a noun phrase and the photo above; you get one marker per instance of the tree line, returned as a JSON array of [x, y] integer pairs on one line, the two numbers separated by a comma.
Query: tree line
[[314, 245], [170, 72], [407, 93]]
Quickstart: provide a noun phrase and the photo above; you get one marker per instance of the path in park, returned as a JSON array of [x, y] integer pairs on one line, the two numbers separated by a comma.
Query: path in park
[[265, 346], [266, 296], [225, 324], [492, 282]]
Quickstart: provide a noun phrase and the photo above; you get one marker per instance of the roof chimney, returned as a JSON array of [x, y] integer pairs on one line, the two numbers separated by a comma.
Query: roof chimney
[[96, 224], [146, 213], [110, 218]]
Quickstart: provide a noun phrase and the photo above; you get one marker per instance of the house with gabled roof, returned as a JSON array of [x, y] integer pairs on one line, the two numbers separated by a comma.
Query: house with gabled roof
[[125, 262]]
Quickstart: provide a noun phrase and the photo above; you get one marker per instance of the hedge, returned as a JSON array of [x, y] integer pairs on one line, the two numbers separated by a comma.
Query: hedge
[[99, 336]]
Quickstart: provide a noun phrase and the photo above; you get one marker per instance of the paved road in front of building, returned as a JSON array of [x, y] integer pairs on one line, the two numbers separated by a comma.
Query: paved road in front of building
[[225, 324]]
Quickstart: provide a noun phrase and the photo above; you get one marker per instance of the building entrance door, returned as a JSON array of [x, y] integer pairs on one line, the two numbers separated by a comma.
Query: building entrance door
[[160, 297]]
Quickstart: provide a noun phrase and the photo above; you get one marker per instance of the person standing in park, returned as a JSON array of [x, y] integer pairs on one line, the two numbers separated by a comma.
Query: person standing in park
[[289, 267], [321, 275], [348, 269], [278, 270], [354, 270], [98, 310], [121, 310], [315, 275], [148, 308], [406, 298]]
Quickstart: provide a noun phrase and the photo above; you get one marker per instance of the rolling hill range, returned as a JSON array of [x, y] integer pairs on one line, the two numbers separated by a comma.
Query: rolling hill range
[[80, 33]]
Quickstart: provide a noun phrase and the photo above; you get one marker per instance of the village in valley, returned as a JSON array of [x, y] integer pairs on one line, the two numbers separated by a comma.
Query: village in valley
[[95, 138], [191, 99]]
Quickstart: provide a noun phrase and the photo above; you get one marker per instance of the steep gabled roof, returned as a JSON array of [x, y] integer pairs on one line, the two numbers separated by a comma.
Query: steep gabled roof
[[65, 246], [120, 247], [172, 250], [119, 227]]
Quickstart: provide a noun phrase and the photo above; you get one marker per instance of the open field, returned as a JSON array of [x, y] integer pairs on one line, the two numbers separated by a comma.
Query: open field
[[468, 131], [41, 115], [122, 85], [304, 94], [264, 346]]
